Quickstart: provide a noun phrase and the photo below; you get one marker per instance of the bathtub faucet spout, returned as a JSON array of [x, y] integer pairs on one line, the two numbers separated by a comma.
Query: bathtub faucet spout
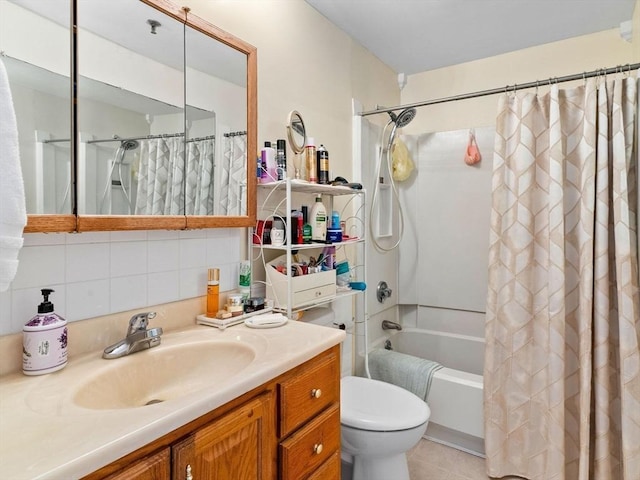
[[389, 325]]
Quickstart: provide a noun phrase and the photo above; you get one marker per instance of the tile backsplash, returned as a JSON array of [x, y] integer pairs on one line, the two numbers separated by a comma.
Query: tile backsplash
[[99, 273]]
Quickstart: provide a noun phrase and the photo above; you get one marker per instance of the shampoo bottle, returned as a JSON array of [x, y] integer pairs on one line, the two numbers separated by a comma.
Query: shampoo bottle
[[44, 340], [268, 155], [318, 221]]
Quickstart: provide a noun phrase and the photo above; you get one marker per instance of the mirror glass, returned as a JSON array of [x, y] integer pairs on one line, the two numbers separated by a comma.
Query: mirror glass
[[130, 107], [39, 79], [297, 135], [216, 126]]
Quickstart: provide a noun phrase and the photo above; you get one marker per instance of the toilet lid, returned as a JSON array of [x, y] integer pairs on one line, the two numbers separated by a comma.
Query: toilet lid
[[374, 405]]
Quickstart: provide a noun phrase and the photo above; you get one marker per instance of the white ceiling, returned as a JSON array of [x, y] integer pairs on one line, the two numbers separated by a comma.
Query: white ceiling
[[414, 36]]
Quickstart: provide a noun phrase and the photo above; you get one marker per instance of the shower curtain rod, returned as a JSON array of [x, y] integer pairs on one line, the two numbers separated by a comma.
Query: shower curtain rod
[[151, 137], [494, 91]]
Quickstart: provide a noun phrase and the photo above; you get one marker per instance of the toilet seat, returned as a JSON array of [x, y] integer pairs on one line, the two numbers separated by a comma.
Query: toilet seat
[[379, 406]]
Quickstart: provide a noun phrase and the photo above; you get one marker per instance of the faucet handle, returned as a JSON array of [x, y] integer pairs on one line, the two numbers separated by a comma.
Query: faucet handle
[[140, 321]]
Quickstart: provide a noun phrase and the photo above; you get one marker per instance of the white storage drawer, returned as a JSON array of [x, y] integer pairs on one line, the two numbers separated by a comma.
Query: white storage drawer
[[306, 289]]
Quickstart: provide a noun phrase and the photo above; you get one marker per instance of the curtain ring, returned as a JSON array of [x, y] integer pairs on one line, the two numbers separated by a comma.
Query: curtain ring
[[537, 86], [584, 78]]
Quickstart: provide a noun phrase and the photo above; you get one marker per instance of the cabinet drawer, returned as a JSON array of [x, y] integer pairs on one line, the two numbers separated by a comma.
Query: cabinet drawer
[[311, 446], [329, 470], [306, 394]]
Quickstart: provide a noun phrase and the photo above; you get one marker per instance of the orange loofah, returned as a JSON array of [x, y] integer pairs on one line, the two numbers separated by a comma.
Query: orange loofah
[[472, 154]]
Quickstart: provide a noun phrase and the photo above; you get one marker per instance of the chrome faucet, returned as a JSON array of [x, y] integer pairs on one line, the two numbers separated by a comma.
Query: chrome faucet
[[389, 325], [138, 337]]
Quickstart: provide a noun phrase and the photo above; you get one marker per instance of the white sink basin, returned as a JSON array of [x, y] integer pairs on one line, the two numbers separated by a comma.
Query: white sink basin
[[162, 373]]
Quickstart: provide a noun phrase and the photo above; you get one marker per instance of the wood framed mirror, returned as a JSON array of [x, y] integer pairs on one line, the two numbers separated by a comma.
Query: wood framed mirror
[[153, 80]]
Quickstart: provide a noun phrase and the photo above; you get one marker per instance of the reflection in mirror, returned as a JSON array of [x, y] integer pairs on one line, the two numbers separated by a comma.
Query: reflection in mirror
[[297, 135], [130, 110], [39, 79], [216, 89]]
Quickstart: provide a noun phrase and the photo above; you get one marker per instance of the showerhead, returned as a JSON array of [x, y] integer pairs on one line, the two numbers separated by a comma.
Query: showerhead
[[129, 144], [404, 117]]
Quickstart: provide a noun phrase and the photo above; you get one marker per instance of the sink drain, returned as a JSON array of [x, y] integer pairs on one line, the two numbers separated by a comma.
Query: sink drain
[[151, 402]]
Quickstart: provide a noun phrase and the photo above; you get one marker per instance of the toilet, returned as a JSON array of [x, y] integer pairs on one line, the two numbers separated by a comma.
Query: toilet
[[380, 422]]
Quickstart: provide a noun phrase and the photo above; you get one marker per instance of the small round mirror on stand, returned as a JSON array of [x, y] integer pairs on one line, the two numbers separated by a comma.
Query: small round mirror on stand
[[297, 139]]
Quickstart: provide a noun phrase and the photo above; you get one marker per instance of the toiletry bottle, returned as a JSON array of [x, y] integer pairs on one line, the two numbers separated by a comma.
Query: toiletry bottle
[[310, 155], [277, 233], [323, 165], [213, 292], [335, 220], [318, 221], [244, 281], [44, 340], [268, 154], [281, 159], [306, 228]]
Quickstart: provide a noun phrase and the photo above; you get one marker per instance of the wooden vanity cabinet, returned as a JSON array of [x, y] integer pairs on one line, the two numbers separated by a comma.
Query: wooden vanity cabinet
[[156, 466], [237, 446], [286, 429]]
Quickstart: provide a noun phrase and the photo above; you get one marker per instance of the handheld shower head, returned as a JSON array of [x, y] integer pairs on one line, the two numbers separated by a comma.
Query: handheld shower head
[[129, 144], [403, 118]]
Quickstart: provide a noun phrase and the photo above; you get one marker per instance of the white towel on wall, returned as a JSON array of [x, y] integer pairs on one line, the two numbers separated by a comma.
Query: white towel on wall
[[13, 213]]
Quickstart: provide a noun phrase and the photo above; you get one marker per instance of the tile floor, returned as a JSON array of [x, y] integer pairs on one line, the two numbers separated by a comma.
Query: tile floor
[[433, 461]]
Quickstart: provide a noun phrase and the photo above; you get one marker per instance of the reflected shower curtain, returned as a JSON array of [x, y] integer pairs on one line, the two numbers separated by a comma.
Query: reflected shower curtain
[[562, 368], [160, 177], [199, 177], [233, 184]]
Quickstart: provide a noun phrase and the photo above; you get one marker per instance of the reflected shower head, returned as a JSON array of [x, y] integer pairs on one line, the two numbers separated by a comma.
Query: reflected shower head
[[129, 144], [403, 118]]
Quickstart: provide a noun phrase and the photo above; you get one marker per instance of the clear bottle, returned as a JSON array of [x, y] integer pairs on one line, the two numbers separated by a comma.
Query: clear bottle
[[323, 165], [318, 221], [281, 159], [213, 292], [310, 156]]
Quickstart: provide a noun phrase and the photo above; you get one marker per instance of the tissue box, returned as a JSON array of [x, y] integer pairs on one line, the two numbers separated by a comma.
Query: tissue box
[[306, 289]]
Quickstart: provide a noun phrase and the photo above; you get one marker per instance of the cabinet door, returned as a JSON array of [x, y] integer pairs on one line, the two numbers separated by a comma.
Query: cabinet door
[[153, 467], [240, 445]]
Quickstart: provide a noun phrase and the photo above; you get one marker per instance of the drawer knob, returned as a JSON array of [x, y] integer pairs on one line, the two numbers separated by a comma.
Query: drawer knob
[[317, 448], [188, 473], [316, 392]]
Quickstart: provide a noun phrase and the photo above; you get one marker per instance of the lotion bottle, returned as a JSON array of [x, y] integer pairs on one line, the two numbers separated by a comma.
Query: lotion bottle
[[318, 221], [44, 340]]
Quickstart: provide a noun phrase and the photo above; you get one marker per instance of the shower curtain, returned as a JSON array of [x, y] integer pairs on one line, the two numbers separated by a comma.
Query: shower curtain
[[234, 176], [199, 177], [160, 177], [562, 367]]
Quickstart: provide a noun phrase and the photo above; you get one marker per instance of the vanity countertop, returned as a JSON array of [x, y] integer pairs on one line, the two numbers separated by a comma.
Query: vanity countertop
[[44, 434]]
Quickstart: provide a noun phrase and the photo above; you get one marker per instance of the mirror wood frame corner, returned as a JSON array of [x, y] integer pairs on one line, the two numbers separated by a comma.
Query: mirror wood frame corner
[[80, 222]]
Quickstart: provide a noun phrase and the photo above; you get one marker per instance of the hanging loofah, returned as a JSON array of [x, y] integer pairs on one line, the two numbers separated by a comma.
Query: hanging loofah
[[472, 154], [401, 164]]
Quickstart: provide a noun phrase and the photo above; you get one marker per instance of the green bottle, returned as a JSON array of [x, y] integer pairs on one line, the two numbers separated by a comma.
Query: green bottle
[[306, 228]]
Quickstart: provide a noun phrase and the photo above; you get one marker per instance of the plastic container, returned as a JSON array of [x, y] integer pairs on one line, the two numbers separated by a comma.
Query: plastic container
[[268, 155], [318, 221], [44, 340]]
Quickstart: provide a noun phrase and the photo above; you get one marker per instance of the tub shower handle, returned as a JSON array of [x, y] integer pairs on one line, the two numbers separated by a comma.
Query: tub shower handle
[[317, 448], [316, 392], [383, 291]]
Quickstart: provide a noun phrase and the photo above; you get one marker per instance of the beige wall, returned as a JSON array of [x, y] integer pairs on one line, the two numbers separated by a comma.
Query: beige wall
[[636, 33], [305, 63], [578, 54]]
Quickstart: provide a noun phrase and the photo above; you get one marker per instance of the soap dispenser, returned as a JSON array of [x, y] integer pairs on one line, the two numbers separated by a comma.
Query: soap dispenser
[[44, 340]]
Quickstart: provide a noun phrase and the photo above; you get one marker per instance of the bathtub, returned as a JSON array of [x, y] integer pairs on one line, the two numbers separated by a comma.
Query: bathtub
[[455, 397]]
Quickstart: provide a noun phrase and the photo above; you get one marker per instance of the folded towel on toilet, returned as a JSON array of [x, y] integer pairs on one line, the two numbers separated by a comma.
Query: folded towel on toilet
[[406, 371]]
